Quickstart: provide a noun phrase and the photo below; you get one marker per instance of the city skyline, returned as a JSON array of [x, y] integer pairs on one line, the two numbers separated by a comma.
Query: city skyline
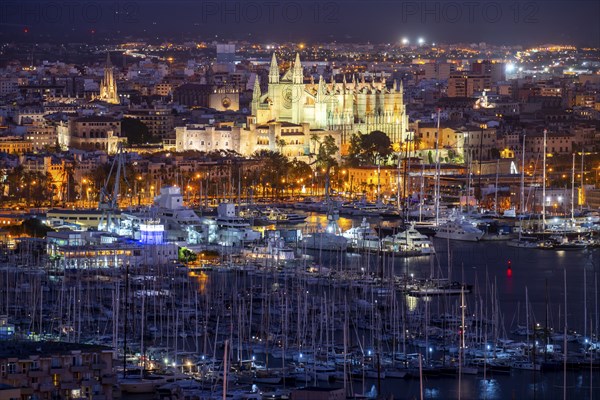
[[511, 23]]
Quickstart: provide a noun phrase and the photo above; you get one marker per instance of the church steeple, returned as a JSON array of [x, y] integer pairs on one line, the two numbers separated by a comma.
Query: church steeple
[[297, 71], [274, 70], [108, 85]]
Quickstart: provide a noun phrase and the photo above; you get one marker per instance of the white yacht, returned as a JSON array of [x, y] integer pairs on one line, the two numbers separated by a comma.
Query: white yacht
[[329, 240], [275, 251], [363, 237], [233, 229], [410, 240], [459, 230], [276, 216]]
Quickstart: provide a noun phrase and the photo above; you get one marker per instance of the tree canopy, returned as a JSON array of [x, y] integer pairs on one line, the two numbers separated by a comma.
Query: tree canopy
[[137, 132], [369, 149]]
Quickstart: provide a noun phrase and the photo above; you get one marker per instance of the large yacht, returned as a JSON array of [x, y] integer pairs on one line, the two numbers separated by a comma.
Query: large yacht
[[274, 251], [276, 216], [410, 240], [329, 240], [233, 229], [459, 230], [363, 237]]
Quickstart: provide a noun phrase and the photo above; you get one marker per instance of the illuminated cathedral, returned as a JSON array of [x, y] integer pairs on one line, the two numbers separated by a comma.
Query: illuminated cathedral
[[108, 85], [347, 107]]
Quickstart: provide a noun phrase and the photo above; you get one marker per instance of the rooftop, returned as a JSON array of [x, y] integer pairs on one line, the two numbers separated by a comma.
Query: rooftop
[[24, 349]]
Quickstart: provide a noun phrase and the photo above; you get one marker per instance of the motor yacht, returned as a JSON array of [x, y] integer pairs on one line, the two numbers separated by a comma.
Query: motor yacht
[[459, 230]]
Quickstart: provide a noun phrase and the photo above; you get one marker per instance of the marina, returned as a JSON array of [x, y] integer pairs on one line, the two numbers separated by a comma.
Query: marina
[[306, 315]]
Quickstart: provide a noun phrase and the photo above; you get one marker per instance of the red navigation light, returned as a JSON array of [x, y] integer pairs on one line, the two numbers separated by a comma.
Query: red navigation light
[[509, 272], [25, 30]]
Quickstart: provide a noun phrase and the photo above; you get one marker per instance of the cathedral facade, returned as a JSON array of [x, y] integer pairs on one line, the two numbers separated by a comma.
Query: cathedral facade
[[347, 107]]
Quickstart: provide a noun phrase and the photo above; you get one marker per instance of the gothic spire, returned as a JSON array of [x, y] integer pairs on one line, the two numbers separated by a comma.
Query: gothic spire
[[274, 70], [297, 72], [256, 92]]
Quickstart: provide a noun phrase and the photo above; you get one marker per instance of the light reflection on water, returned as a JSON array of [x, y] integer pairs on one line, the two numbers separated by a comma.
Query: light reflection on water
[[201, 278], [319, 221], [431, 393], [489, 389]]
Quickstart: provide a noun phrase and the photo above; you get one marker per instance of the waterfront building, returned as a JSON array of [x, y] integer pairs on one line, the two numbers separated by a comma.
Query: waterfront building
[[293, 140], [48, 370], [86, 219], [72, 249]]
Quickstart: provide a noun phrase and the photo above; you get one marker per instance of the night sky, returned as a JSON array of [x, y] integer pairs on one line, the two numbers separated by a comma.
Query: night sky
[[472, 21]]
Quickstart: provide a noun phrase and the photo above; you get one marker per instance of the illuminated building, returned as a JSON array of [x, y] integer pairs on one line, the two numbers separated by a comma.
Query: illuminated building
[[74, 249], [96, 132], [466, 84], [108, 85], [348, 107]]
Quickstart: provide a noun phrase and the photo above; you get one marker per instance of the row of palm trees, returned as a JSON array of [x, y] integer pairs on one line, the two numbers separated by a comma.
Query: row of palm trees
[[267, 174], [29, 188]]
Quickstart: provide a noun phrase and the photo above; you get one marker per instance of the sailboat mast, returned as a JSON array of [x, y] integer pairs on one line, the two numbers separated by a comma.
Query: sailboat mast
[[437, 171], [565, 340], [523, 177], [573, 190], [544, 185], [582, 164], [496, 189], [421, 193]]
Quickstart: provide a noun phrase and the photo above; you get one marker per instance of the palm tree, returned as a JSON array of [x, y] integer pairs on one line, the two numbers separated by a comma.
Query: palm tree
[[326, 159], [280, 144], [275, 166]]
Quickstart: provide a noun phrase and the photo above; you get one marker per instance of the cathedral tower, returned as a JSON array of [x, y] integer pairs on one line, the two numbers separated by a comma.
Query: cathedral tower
[[108, 85]]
